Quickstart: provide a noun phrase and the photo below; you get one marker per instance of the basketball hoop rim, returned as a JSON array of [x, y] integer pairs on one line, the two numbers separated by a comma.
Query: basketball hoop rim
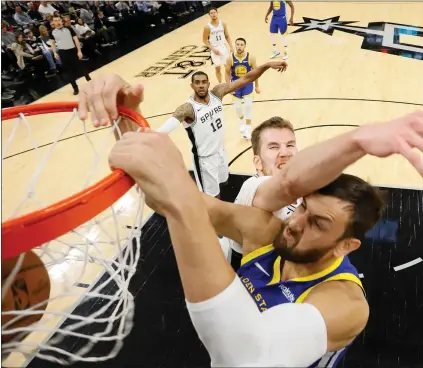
[[23, 233]]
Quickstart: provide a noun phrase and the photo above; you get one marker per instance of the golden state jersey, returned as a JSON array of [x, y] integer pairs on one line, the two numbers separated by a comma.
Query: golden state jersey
[[240, 67], [260, 272], [279, 8]]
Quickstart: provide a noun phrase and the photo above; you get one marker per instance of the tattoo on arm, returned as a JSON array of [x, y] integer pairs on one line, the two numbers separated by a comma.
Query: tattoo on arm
[[184, 113], [220, 90]]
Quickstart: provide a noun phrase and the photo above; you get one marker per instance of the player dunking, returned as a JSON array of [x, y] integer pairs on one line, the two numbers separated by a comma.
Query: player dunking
[[279, 24], [239, 64], [202, 117], [215, 37]]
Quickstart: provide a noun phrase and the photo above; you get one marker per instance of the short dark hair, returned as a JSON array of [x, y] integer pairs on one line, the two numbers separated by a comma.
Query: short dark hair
[[241, 39], [275, 122], [213, 8], [198, 73], [366, 203]]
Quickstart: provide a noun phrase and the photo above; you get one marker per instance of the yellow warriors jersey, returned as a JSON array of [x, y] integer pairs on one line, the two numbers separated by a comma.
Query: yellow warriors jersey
[[260, 272]]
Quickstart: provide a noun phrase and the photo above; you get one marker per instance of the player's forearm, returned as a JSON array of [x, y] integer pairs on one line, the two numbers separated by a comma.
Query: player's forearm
[[254, 74], [202, 265], [228, 76], [309, 170], [221, 217], [269, 11], [208, 44], [229, 40], [291, 5]]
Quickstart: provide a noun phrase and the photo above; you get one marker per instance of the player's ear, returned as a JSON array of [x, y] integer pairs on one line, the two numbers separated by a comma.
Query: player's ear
[[346, 246], [257, 163]]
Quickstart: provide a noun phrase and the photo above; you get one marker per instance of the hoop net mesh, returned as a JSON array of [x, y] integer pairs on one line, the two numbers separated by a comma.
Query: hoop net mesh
[[91, 266]]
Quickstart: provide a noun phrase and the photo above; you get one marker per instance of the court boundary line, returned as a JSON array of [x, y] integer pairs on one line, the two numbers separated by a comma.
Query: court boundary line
[[230, 104], [78, 302]]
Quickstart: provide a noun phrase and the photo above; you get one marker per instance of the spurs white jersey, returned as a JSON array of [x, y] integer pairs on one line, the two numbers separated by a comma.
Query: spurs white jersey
[[206, 132], [217, 34], [246, 196]]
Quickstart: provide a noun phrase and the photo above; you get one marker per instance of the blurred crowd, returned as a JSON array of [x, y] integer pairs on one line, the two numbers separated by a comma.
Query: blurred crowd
[[28, 44]]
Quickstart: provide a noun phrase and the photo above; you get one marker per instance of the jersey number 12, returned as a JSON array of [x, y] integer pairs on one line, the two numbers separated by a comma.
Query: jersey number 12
[[218, 125]]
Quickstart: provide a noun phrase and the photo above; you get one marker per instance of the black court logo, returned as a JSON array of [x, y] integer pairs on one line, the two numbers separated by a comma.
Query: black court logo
[[181, 63], [378, 36]]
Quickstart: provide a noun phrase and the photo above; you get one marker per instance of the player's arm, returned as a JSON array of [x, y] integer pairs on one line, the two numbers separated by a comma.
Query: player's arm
[[248, 226], [291, 19], [251, 227], [344, 309], [253, 66], [206, 34], [224, 88], [268, 12], [184, 112], [289, 335], [228, 67], [227, 36], [309, 170]]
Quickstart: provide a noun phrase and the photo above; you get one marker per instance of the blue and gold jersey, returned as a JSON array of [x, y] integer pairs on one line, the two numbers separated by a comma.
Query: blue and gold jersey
[[240, 67], [279, 8], [260, 272]]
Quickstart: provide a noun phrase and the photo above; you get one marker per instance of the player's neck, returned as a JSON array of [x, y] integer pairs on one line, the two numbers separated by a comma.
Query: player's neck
[[215, 22], [241, 55], [292, 270], [204, 100]]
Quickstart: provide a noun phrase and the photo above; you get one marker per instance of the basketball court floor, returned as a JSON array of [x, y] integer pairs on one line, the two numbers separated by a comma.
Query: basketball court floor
[[350, 63]]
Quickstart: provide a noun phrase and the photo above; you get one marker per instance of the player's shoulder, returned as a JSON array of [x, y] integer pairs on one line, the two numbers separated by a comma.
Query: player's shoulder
[[248, 189]]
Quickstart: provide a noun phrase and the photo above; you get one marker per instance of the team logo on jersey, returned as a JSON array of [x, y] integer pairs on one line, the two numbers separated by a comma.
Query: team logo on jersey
[[181, 63], [240, 70], [208, 115], [382, 37]]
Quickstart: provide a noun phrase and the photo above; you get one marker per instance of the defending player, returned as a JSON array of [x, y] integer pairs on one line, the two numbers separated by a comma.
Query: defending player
[[239, 64], [202, 117], [215, 37], [278, 24]]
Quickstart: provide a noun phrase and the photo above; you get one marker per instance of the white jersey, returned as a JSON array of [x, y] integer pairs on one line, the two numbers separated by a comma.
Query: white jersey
[[206, 132], [217, 34], [246, 196]]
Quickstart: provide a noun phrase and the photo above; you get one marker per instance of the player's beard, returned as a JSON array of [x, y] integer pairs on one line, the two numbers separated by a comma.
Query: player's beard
[[286, 248], [202, 97]]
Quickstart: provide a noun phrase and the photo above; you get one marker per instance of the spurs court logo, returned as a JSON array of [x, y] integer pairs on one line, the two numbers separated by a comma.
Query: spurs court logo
[[181, 63], [388, 38]]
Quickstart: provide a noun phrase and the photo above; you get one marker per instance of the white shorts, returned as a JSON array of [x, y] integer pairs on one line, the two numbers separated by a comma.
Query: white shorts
[[219, 60], [210, 171]]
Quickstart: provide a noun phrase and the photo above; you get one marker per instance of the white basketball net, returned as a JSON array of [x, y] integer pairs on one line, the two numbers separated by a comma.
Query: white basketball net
[[90, 267]]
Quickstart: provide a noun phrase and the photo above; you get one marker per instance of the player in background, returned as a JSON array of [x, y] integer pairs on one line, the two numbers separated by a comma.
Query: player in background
[[215, 37], [278, 24], [202, 117], [274, 144], [237, 65]]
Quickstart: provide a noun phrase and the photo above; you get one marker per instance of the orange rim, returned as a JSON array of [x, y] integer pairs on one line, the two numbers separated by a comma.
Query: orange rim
[[26, 232]]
